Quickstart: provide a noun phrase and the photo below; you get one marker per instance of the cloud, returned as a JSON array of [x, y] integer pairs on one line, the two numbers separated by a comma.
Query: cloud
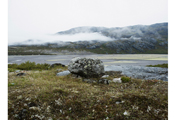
[[41, 39]]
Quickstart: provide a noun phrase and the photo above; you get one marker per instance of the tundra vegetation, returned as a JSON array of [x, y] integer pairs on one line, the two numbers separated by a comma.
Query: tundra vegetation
[[40, 94], [159, 65]]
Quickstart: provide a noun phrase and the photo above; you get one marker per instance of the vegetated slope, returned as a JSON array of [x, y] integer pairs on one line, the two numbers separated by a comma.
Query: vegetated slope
[[131, 39], [159, 31], [43, 95], [145, 39]]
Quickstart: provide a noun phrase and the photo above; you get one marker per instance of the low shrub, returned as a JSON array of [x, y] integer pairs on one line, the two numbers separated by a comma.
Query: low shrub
[[29, 66], [159, 65], [125, 79]]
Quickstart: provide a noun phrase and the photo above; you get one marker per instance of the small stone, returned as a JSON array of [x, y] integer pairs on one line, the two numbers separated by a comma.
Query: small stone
[[19, 97], [20, 74], [105, 76], [58, 102], [117, 80], [117, 102], [64, 73], [28, 99], [25, 104], [75, 91], [49, 118], [48, 109], [58, 70], [104, 81], [126, 113], [16, 115], [89, 80], [34, 108], [40, 117]]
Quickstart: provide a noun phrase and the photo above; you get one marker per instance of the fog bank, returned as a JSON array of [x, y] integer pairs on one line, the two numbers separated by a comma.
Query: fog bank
[[49, 38]]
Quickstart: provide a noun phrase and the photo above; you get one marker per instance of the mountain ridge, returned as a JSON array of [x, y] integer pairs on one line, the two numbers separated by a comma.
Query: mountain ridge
[[118, 32], [138, 39]]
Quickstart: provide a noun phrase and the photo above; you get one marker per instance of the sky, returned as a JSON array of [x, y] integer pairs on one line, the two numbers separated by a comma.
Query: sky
[[39, 19]]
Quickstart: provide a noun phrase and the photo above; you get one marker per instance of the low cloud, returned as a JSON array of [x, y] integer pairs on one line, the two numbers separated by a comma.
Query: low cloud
[[41, 39]]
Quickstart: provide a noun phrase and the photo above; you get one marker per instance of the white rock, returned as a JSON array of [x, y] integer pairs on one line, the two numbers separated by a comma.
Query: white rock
[[34, 108], [28, 99], [58, 102], [117, 80], [105, 76], [25, 104], [117, 102], [126, 113], [48, 109], [19, 97], [50, 118], [64, 73]]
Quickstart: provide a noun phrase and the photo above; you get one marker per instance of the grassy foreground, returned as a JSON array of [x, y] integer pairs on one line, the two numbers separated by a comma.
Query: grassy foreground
[[43, 95]]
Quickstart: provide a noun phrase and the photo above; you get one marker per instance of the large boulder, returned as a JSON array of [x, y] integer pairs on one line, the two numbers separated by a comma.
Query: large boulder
[[86, 67]]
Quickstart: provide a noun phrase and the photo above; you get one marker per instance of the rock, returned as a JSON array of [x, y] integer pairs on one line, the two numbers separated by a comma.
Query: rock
[[126, 113], [118, 80], [75, 76], [86, 67], [89, 81], [49, 118], [20, 74], [25, 104], [48, 109], [58, 102], [105, 76], [57, 64], [35, 108], [28, 99], [22, 114], [59, 70], [19, 97], [104, 81], [31, 104], [64, 73]]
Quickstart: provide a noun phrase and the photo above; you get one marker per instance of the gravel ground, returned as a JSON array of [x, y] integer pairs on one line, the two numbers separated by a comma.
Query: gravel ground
[[141, 72]]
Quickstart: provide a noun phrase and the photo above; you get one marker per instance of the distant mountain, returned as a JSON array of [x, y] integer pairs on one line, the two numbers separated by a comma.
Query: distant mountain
[[131, 39], [142, 39], [156, 31]]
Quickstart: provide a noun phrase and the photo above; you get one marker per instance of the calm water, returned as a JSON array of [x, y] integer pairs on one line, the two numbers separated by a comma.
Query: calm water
[[114, 59]]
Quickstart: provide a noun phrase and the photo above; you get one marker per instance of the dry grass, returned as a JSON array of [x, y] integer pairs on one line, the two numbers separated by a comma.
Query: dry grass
[[43, 95]]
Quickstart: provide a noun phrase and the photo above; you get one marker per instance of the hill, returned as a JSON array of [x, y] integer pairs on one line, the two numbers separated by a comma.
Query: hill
[[145, 39]]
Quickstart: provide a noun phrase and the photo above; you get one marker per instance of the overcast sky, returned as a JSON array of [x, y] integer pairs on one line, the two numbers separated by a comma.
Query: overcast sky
[[37, 19]]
